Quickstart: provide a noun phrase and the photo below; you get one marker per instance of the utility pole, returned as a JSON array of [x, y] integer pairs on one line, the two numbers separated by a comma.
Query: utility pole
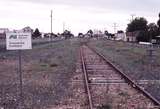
[[63, 26], [132, 18], [51, 26], [115, 27]]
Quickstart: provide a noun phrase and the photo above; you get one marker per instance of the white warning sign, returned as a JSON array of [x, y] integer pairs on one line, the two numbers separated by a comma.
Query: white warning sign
[[18, 41]]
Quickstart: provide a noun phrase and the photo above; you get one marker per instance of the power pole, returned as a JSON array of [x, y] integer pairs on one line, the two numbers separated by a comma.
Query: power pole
[[115, 27], [132, 18], [51, 25], [63, 26]]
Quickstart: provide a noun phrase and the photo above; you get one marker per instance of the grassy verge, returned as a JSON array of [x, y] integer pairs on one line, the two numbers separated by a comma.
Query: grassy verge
[[46, 71], [132, 60]]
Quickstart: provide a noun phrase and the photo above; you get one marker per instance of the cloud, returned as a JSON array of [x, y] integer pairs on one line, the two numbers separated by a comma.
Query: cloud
[[96, 6], [118, 5], [79, 15]]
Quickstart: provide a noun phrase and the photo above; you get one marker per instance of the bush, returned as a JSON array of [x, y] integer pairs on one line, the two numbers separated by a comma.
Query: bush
[[36, 34]]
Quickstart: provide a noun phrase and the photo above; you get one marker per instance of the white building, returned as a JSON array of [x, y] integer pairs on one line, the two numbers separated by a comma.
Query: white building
[[98, 33], [25, 29], [131, 36], [120, 36]]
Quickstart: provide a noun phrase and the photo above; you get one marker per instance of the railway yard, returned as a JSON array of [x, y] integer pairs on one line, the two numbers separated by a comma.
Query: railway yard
[[82, 74]]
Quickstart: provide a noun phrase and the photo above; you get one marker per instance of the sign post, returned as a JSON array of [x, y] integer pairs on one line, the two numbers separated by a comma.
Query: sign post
[[20, 78], [19, 41]]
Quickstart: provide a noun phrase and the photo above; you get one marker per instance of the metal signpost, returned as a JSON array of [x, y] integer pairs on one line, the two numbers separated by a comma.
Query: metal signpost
[[19, 41]]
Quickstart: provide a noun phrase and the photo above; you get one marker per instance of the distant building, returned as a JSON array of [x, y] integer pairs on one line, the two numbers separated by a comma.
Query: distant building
[[42, 35], [87, 35], [49, 35], [120, 36], [98, 34], [27, 29], [131, 36], [3, 32], [109, 36]]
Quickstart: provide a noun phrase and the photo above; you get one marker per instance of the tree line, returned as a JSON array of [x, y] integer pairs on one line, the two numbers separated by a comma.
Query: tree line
[[147, 32], [66, 34]]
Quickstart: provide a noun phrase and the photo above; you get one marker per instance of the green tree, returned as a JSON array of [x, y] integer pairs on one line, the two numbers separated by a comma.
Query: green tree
[[67, 34], [120, 31], [143, 36], [153, 30], [138, 24], [36, 33], [106, 32], [90, 32], [80, 35], [158, 22]]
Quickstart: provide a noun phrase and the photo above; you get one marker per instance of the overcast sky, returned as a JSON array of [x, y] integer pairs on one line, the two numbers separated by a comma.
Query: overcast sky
[[78, 15]]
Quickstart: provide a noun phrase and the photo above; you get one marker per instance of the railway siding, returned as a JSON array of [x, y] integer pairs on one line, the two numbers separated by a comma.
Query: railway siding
[[108, 87]]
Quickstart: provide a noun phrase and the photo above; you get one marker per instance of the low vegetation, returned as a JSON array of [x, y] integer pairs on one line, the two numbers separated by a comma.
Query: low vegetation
[[46, 71], [134, 60]]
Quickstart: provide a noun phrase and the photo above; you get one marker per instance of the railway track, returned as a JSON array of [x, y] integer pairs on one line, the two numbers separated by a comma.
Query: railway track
[[107, 85]]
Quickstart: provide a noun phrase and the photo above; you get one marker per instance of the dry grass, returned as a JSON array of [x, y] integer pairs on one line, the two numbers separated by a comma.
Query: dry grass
[[46, 71], [133, 60]]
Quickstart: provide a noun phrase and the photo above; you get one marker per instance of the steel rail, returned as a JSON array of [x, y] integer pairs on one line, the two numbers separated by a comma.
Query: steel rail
[[86, 79], [127, 78]]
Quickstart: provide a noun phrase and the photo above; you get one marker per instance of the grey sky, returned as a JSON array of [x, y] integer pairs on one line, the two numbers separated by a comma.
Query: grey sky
[[123, 5], [79, 15]]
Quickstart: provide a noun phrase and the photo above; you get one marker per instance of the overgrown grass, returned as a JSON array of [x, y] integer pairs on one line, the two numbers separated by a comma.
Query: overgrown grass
[[132, 60], [47, 70]]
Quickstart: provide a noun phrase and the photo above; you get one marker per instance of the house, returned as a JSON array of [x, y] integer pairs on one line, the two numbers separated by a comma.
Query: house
[[109, 36], [27, 29], [120, 36], [3, 32], [49, 35], [132, 36], [98, 34], [87, 35]]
